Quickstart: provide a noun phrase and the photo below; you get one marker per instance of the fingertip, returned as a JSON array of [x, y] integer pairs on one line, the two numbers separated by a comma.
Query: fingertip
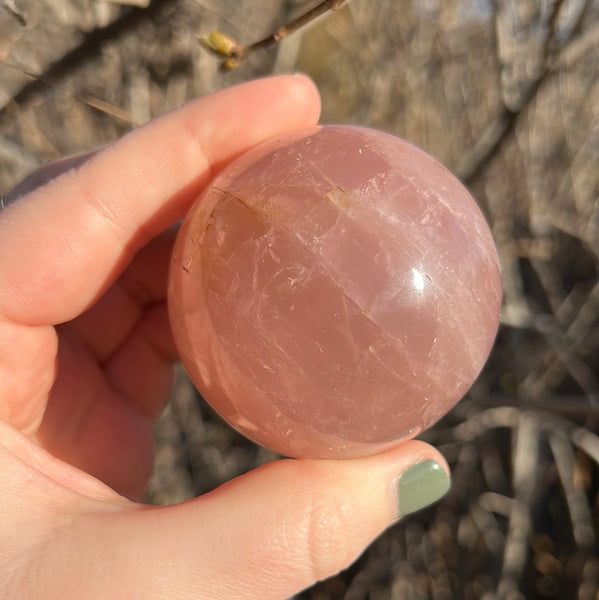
[[306, 90], [420, 485], [254, 112]]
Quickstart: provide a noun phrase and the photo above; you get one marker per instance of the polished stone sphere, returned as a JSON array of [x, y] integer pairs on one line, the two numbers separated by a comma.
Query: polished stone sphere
[[334, 292]]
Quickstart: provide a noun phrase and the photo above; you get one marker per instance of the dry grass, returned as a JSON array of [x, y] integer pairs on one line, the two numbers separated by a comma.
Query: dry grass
[[505, 93]]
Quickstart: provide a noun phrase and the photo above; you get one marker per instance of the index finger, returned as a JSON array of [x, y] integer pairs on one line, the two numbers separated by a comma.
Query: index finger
[[63, 244]]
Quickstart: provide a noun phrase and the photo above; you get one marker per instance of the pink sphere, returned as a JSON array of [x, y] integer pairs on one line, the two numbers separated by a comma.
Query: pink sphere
[[334, 292]]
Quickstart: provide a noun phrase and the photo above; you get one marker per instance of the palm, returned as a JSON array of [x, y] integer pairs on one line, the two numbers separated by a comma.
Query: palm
[[113, 376]]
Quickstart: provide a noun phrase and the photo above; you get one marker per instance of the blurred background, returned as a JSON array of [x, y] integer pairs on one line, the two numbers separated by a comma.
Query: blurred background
[[506, 94]]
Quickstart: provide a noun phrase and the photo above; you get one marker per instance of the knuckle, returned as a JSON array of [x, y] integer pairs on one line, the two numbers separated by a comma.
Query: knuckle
[[331, 541]]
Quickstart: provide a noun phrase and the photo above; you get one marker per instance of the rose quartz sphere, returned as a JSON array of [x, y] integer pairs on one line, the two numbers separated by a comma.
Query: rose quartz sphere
[[334, 292]]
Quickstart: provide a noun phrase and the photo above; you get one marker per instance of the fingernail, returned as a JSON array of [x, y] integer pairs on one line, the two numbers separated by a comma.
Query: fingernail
[[420, 486]]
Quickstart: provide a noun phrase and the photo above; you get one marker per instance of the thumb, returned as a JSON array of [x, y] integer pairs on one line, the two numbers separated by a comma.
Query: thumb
[[267, 534]]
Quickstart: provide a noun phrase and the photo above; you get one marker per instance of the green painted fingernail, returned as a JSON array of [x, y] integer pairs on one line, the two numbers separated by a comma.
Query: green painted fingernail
[[421, 485]]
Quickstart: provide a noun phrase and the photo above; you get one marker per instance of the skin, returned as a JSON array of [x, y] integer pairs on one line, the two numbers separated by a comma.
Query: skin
[[86, 361]]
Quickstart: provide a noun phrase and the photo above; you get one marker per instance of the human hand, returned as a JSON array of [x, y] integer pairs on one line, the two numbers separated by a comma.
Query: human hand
[[86, 364]]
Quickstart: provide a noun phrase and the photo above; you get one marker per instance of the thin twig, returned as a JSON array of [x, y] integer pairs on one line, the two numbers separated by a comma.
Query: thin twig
[[505, 122], [576, 498], [235, 53], [90, 47], [87, 99], [13, 8], [525, 483]]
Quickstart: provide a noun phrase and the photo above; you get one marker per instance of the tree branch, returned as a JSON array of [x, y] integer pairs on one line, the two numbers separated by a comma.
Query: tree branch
[[235, 53], [15, 10]]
